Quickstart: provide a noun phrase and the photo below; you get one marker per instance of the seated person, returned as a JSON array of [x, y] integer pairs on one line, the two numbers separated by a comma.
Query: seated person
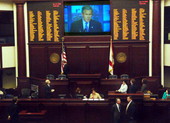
[[144, 86], [78, 93], [123, 88], [48, 89], [166, 93], [132, 87], [94, 94], [1, 94]]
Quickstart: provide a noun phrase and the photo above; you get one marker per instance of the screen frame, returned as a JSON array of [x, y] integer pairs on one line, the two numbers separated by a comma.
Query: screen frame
[[72, 3]]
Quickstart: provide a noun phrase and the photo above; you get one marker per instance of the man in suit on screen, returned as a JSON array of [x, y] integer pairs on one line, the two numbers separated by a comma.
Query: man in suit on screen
[[86, 24]]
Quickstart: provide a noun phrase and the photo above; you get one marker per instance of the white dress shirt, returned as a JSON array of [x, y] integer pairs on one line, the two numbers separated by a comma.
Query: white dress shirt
[[118, 107], [123, 88], [128, 105]]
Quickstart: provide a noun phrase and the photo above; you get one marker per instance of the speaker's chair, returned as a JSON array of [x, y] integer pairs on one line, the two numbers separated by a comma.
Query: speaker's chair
[[112, 76], [124, 76], [50, 76]]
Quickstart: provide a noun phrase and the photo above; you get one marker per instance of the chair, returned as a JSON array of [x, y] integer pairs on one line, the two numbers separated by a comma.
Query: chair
[[34, 95], [112, 76], [10, 93], [50, 76], [25, 92], [62, 76], [34, 91], [124, 76]]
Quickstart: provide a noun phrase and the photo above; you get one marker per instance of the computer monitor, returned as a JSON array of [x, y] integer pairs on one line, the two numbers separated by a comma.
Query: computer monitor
[[168, 97], [79, 96], [34, 88]]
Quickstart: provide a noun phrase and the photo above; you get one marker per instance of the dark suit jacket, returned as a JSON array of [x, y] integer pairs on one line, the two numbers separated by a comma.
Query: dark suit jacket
[[144, 88], [13, 111], [47, 90], [132, 89], [94, 26], [130, 113], [116, 114]]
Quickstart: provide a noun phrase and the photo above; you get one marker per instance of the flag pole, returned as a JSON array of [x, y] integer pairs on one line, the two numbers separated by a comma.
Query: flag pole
[[62, 45], [62, 41], [111, 59]]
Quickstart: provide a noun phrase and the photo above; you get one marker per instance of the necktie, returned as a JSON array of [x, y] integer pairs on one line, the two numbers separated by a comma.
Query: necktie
[[86, 27]]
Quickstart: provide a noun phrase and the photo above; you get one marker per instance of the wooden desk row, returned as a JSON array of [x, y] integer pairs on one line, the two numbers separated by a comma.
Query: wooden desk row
[[79, 111], [86, 83]]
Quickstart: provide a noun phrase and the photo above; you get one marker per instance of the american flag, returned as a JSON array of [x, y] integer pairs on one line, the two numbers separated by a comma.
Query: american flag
[[111, 59], [63, 58]]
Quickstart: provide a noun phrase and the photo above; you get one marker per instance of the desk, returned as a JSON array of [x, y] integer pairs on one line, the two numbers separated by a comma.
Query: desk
[[26, 116], [85, 81], [79, 111], [136, 96]]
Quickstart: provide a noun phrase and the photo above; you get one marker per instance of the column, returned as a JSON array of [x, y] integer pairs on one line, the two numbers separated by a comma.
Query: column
[[156, 39], [21, 40]]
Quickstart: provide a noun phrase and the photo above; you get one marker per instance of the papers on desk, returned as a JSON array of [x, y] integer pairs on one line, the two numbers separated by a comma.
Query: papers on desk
[[93, 99]]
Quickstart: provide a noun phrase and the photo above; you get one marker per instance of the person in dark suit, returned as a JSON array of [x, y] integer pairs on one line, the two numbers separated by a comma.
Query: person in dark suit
[[117, 111], [86, 24], [130, 110], [144, 86], [78, 94], [13, 111], [48, 89], [132, 87]]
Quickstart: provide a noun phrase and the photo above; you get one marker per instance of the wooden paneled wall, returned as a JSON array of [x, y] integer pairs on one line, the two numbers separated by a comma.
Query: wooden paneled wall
[[89, 58]]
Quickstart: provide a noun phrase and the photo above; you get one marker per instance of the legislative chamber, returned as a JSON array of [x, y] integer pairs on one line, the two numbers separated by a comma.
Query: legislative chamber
[[74, 61]]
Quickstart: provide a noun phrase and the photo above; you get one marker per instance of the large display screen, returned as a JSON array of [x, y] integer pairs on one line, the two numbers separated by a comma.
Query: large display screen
[[45, 21], [130, 20], [87, 18]]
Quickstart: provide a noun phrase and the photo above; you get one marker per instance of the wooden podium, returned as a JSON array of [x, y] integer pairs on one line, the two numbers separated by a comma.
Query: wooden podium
[[85, 81]]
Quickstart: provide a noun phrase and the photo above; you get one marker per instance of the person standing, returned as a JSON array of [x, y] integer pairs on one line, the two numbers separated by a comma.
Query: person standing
[[144, 86], [132, 87], [48, 89], [13, 111], [130, 110], [117, 111]]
